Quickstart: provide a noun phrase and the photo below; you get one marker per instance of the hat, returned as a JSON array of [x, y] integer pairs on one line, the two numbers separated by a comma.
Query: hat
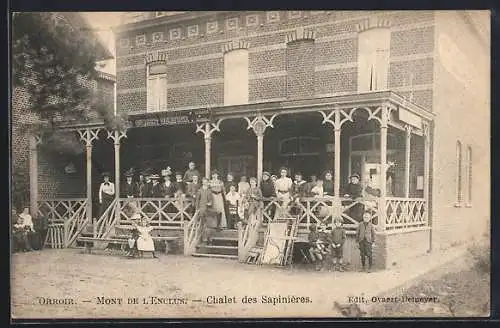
[[129, 173], [283, 168], [298, 173], [215, 172], [178, 173], [253, 179], [266, 173], [166, 171], [328, 171], [105, 174], [154, 177], [274, 176], [355, 175]]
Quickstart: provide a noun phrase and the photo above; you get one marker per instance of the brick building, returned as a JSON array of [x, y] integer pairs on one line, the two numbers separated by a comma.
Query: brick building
[[378, 93]]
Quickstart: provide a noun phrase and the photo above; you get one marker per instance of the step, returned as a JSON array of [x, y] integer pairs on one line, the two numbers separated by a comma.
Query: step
[[225, 241], [219, 256], [217, 249], [232, 233]]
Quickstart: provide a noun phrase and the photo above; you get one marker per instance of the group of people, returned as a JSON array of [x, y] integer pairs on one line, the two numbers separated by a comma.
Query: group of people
[[26, 236], [323, 244]]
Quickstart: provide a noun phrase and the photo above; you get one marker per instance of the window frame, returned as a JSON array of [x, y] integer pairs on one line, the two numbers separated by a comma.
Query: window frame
[[156, 77]]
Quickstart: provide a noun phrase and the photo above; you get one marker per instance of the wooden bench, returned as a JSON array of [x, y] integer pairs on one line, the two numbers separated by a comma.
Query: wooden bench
[[123, 240]]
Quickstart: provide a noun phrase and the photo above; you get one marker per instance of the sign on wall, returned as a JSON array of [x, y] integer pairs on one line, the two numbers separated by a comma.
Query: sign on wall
[[170, 118]]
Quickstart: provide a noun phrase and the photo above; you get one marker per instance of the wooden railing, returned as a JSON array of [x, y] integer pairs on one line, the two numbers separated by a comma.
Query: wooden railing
[[160, 212], [322, 210], [75, 225], [105, 224], [193, 231], [405, 213], [66, 219]]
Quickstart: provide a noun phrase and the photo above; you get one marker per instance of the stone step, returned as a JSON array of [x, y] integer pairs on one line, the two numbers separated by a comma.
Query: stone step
[[219, 256], [232, 233], [225, 241], [217, 249]]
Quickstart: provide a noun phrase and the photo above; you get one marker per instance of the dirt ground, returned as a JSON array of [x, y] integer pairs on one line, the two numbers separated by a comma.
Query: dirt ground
[[86, 280]]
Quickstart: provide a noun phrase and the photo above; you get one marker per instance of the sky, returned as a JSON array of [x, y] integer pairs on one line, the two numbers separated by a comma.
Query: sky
[[102, 23]]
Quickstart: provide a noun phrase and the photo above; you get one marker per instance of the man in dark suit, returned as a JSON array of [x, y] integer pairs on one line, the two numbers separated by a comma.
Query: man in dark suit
[[365, 235], [130, 189]]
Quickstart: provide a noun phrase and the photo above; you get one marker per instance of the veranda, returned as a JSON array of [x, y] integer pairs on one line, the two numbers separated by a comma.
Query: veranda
[[401, 212]]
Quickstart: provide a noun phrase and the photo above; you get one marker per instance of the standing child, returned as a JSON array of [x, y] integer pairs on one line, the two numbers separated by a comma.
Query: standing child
[[233, 203], [337, 237], [365, 235], [253, 201]]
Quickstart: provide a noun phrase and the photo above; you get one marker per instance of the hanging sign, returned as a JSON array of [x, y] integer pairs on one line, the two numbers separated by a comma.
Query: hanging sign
[[171, 118]]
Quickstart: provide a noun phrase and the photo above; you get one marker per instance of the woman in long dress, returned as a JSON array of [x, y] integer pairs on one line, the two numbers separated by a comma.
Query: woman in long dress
[[283, 186], [217, 188], [145, 241]]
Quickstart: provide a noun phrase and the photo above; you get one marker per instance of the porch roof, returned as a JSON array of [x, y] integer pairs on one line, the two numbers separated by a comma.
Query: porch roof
[[346, 101]]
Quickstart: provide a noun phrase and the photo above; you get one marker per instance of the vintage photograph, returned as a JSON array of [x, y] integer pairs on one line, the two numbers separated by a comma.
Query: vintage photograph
[[250, 164]]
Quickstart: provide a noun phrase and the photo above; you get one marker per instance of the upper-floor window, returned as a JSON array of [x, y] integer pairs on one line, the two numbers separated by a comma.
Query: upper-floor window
[[236, 77], [373, 58], [459, 174], [156, 86], [468, 176]]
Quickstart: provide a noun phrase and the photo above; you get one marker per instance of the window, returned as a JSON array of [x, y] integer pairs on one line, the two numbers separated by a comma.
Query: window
[[156, 87], [373, 58], [468, 178], [459, 174], [236, 77], [297, 146]]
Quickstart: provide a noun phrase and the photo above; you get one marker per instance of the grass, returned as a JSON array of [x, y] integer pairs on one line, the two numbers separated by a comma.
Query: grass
[[462, 290]]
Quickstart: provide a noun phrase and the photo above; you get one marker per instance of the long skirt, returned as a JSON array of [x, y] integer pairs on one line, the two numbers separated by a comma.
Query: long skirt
[[219, 207], [106, 201], [146, 244]]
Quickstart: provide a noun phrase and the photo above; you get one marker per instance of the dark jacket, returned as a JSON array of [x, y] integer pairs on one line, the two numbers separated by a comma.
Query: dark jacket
[[203, 200], [179, 185], [328, 187], [337, 236], [192, 189], [299, 189], [129, 189], [354, 190], [168, 191], [267, 188], [365, 231], [156, 191], [147, 190], [313, 237]]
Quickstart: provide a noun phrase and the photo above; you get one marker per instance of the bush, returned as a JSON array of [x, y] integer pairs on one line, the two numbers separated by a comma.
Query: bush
[[480, 255]]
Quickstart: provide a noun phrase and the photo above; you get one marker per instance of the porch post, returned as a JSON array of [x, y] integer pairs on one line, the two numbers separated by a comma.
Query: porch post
[[34, 141], [259, 125], [88, 136], [407, 160], [383, 165], [426, 168], [336, 140], [207, 129], [117, 136]]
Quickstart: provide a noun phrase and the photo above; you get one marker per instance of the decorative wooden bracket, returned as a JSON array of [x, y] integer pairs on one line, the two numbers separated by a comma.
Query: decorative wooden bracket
[[89, 135], [259, 123], [116, 136], [208, 128], [340, 116]]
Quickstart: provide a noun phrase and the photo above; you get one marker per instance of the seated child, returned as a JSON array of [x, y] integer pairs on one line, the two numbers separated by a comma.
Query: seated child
[[317, 247], [337, 239], [144, 242]]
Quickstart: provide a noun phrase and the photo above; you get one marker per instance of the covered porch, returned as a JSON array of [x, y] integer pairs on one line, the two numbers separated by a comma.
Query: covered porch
[[379, 135]]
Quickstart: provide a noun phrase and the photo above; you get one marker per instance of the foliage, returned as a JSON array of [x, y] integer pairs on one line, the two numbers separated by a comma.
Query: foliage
[[52, 59], [480, 255]]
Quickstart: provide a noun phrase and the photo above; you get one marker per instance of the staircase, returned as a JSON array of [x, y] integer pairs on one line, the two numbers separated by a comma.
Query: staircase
[[224, 245]]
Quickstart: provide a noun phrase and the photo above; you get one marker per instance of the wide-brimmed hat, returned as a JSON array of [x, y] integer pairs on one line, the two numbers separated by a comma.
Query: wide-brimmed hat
[[129, 173], [355, 175], [266, 173], [178, 173], [154, 177], [166, 171]]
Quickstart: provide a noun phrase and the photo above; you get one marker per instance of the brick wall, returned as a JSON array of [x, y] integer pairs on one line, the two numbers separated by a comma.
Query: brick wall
[[52, 180], [196, 63]]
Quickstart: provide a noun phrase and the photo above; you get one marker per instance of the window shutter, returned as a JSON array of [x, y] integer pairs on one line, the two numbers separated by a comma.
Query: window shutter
[[162, 92]]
